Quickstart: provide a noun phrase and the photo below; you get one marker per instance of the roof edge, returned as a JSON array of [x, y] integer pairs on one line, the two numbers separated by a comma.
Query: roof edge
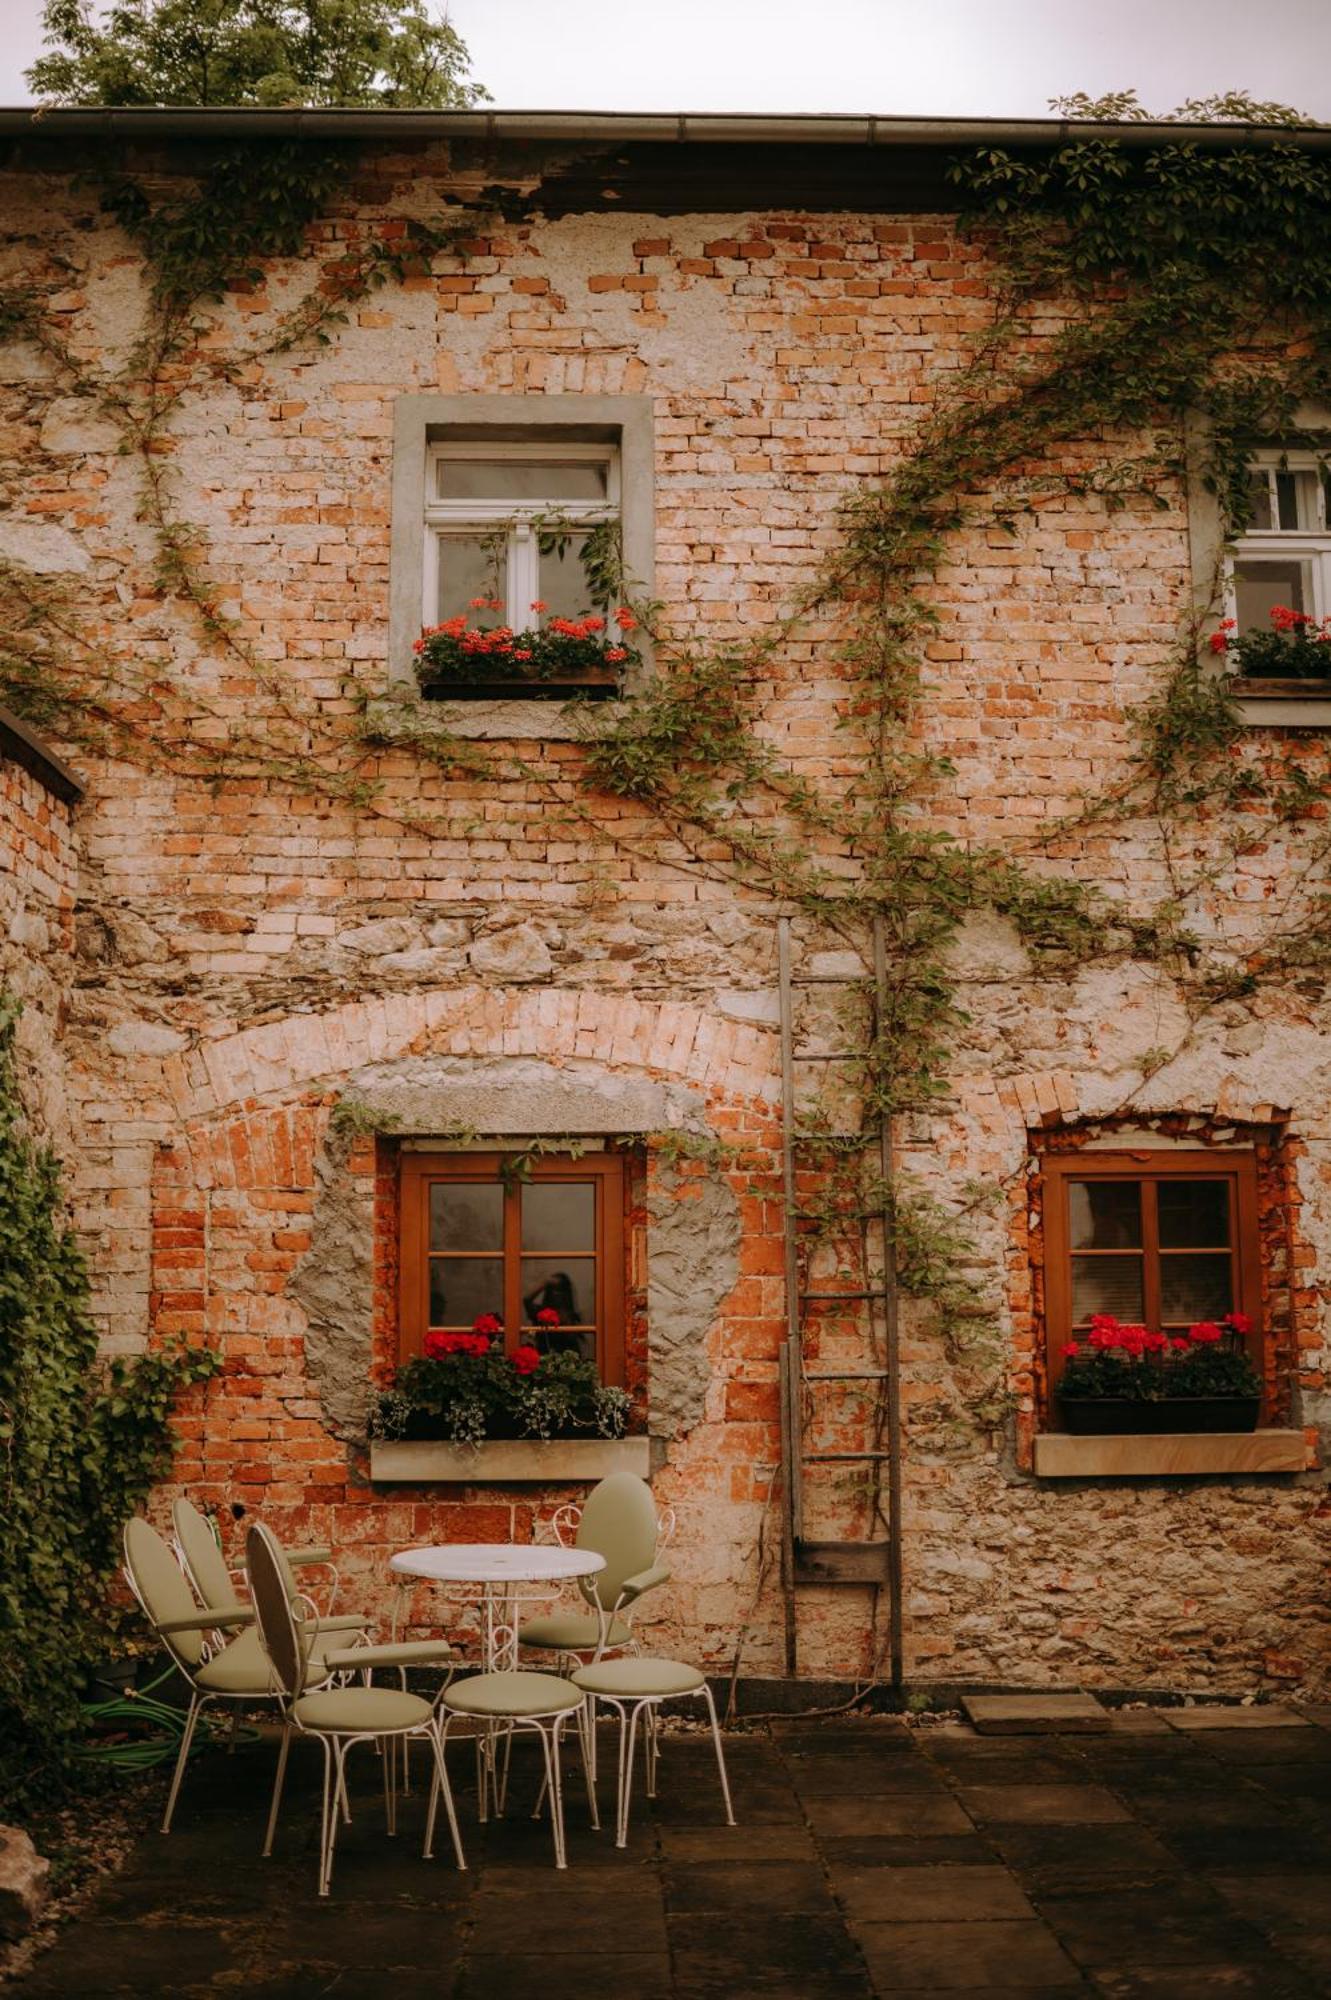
[[24, 746], [825, 129]]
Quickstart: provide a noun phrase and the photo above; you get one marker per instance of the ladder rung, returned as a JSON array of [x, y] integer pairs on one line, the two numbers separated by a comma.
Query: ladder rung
[[841, 1562], [839, 1457], [845, 1375], [848, 1055], [832, 979], [876, 1293]]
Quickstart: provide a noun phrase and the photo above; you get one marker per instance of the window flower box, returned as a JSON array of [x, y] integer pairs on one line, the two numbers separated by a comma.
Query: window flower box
[[1124, 1416], [557, 661], [1122, 1381]]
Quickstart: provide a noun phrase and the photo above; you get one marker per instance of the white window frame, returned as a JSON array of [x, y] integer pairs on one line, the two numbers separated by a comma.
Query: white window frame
[[445, 518], [1309, 544]]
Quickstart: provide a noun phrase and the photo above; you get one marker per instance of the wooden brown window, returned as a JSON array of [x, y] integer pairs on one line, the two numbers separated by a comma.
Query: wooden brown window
[[551, 1240], [1157, 1239]]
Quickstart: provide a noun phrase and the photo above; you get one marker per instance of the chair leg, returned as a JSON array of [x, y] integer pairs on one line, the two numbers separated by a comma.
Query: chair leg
[[340, 1760], [550, 1747], [327, 1816], [441, 1785], [706, 1693], [278, 1783], [651, 1746], [196, 1703], [587, 1744], [388, 1758], [626, 1770]]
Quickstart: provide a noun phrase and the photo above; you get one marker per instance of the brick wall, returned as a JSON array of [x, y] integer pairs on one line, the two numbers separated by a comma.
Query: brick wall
[[230, 984]]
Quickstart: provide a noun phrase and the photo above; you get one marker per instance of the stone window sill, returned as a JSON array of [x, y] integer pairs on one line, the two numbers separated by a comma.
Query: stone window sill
[[1170, 1455], [1284, 704], [505, 1461], [409, 718]]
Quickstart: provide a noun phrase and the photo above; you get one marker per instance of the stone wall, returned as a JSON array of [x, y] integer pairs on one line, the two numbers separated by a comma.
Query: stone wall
[[249, 952], [38, 886]]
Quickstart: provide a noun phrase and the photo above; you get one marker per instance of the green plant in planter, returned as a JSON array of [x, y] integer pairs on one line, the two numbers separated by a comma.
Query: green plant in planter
[[465, 1389], [1134, 1364], [1297, 647], [562, 649]]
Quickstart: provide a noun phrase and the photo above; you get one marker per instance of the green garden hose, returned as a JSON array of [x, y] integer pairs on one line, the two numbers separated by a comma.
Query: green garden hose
[[157, 1729]]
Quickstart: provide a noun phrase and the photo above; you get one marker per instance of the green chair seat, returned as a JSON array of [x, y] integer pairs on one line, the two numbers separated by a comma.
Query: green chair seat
[[360, 1711], [240, 1668], [632, 1679], [571, 1632], [514, 1694]]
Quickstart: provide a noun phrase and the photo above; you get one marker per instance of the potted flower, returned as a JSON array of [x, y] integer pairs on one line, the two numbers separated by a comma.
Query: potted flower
[[1123, 1379], [558, 658], [1297, 647], [464, 1389]]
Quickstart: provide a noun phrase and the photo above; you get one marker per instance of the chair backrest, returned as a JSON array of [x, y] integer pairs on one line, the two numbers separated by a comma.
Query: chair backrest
[[619, 1523], [158, 1582], [203, 1560], [264, 1566]]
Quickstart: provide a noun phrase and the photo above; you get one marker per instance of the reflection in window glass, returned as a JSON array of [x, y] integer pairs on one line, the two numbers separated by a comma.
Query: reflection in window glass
[[466, 1215], [1105, 1215], [463, 1287], [564, 588], [566, 1285], [1193, 1288], [471, 566], [1193, 1215], [1107, 1285], [559, 1216], [1259, 586], [522, 480]]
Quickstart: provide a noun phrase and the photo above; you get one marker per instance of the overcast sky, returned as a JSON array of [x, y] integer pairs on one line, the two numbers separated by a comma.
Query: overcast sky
[[976, 58]]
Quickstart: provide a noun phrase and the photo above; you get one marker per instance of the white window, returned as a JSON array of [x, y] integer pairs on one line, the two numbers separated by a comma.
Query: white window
[[1284, 554], [509, 522]]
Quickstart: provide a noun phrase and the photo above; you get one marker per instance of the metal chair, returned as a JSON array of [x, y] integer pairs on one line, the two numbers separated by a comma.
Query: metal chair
[[634, 1687], [618, 1521], [203, 1562], [337, 1717], [515, 1700]]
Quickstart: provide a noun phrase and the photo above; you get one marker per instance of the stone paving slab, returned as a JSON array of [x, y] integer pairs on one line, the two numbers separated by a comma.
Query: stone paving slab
[[1260, 1715], [870, 1861], [1035, 1714]]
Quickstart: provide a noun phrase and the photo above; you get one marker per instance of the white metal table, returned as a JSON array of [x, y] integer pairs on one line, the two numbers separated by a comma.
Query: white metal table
[[499, 1568]]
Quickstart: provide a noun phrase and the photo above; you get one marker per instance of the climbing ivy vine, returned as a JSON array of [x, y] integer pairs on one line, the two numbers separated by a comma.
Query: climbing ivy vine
[[82, 1442], [1159, 307]]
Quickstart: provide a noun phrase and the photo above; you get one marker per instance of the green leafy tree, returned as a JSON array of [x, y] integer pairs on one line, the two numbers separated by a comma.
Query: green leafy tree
[[252, 52]]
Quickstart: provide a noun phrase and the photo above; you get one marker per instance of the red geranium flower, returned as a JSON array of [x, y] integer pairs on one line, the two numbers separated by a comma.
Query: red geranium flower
[[1179, 1344], [525, 1359], [489, 1324], [625, 619], [1071, 1351], [547, 1316], [1239, 1323], [1205, 1331]]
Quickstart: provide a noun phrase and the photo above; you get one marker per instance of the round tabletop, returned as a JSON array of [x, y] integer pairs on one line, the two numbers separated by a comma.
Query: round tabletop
[[495, 1562]]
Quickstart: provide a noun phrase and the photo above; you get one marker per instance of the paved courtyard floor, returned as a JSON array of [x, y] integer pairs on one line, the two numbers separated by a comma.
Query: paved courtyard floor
[[1155, 1860]]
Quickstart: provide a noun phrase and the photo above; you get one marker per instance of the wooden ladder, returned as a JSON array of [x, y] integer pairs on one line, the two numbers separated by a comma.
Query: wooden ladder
[[876, 1561]]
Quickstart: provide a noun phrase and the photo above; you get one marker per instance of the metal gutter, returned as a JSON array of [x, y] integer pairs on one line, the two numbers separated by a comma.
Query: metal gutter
[[25, 747], [622, 127]]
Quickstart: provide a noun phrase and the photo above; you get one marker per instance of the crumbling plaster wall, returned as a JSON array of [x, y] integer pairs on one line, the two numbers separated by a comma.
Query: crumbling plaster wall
[[248, 954]]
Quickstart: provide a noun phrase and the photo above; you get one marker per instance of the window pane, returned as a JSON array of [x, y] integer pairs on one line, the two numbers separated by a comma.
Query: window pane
[[1287, 498], [522, 479], [1259, 501], [1193, 1214], [1105, 1215], [462, 1287], [466, 1215], [1194, 1288], [472, 566], [1258, 586], [556, 1217], [1107, 1285], [566, 1285], [564, 588]]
